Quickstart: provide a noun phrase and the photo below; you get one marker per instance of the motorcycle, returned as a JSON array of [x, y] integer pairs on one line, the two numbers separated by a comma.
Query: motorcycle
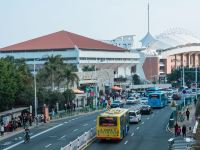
[[26, 138]]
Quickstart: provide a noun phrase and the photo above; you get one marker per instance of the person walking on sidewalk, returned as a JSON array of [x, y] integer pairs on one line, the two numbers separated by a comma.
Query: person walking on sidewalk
[[184, 130], [187, 114], [176, 129], [195, 102], [2, 129]]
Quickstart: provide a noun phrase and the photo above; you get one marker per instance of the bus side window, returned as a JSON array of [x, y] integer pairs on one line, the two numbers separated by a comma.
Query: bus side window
[[121, 120]]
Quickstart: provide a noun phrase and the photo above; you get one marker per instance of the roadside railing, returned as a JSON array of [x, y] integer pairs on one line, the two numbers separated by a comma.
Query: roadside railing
[[82, 141], [80, 110]]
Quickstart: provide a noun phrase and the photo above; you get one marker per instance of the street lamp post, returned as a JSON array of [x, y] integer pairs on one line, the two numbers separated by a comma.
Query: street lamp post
[[196, 81], [35, 90]]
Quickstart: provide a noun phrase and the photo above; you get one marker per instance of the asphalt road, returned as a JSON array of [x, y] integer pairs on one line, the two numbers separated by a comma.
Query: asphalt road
[[149, 134], [52, 136]]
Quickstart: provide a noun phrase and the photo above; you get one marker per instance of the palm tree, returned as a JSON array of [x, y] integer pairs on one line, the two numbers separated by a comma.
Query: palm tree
[[53, 69], [70, 76], [88, 68]]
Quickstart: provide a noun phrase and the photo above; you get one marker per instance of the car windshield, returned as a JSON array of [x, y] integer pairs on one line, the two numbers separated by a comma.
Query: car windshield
[[132, 114], [116, 102]]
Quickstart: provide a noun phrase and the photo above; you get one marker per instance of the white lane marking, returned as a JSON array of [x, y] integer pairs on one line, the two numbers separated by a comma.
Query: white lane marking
[[62, 136], [148, 118], [65, 122], [7, 143], [94, 120], [47, 145], [137, 128], [142, 123], [85, 124], [132, 134], [126, 142], [75, 130], [16, 144]]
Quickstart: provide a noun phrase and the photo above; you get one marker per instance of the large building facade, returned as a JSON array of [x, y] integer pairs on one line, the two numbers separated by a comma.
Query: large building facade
[[170, 50], [75, 49]]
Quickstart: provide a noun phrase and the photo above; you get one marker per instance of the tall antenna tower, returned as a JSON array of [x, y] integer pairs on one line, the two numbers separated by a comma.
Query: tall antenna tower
[[148, 17]]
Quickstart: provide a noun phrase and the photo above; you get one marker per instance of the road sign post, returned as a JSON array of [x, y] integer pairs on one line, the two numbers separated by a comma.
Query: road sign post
[[184, 92]]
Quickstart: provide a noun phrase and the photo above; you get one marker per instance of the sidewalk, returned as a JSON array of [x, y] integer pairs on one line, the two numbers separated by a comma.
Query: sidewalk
[[189, 123], [21, 129]]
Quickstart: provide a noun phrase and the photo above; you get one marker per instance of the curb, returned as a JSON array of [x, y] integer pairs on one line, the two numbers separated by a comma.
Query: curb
[[168, 129]]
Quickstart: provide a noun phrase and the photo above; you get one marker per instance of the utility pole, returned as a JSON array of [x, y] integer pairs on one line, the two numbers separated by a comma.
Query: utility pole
[[148, 17], [183, 76], [196, 81], [35, 92]]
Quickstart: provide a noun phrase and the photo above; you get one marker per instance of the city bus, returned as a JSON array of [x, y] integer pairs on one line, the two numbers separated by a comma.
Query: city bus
[[157, 99], [152, 90], [112, 124]]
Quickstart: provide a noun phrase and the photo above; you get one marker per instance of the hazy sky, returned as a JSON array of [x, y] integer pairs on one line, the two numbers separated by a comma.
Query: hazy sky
[[99, 19]]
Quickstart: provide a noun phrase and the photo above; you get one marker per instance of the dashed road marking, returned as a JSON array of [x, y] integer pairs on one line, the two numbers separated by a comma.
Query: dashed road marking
[[16, 144], [65, 122], [126, 142], [137, 128], [7, 143], [142, 123], [85, 124], [62, 136], [75, 130], [47, 145], [94, 120], [148, 118], [132, 134]]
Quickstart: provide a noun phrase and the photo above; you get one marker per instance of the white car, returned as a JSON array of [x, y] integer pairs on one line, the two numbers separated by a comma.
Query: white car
[[144, 100], [131, 100], [134, 116]]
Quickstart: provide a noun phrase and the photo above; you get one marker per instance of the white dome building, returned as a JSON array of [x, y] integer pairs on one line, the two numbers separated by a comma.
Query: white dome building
[[171, 49]]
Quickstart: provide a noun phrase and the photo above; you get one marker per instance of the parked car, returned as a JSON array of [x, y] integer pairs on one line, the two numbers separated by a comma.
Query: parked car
[[132, 100], [116, 104], [134, 116], [146, 109]]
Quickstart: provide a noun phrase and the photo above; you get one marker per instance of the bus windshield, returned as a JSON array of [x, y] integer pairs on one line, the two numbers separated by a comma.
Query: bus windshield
[[154, 96], [108, 121]]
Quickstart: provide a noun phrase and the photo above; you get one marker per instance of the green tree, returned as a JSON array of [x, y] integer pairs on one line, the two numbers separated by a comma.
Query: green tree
[[53, 69], [69, 96], [136, 79], [16, 83], [88, 68], [71, 77]]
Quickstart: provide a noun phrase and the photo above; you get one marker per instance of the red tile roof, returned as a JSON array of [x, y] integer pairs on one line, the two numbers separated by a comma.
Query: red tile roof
[[62, 40]]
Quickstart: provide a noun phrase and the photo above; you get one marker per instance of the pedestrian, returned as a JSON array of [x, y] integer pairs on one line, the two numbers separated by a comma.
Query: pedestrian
[[74, 106], [65, 107], [30, 119], [176, 129], [195, 102], [184, 130], [188, 114], [2, 129], [179, 131]]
